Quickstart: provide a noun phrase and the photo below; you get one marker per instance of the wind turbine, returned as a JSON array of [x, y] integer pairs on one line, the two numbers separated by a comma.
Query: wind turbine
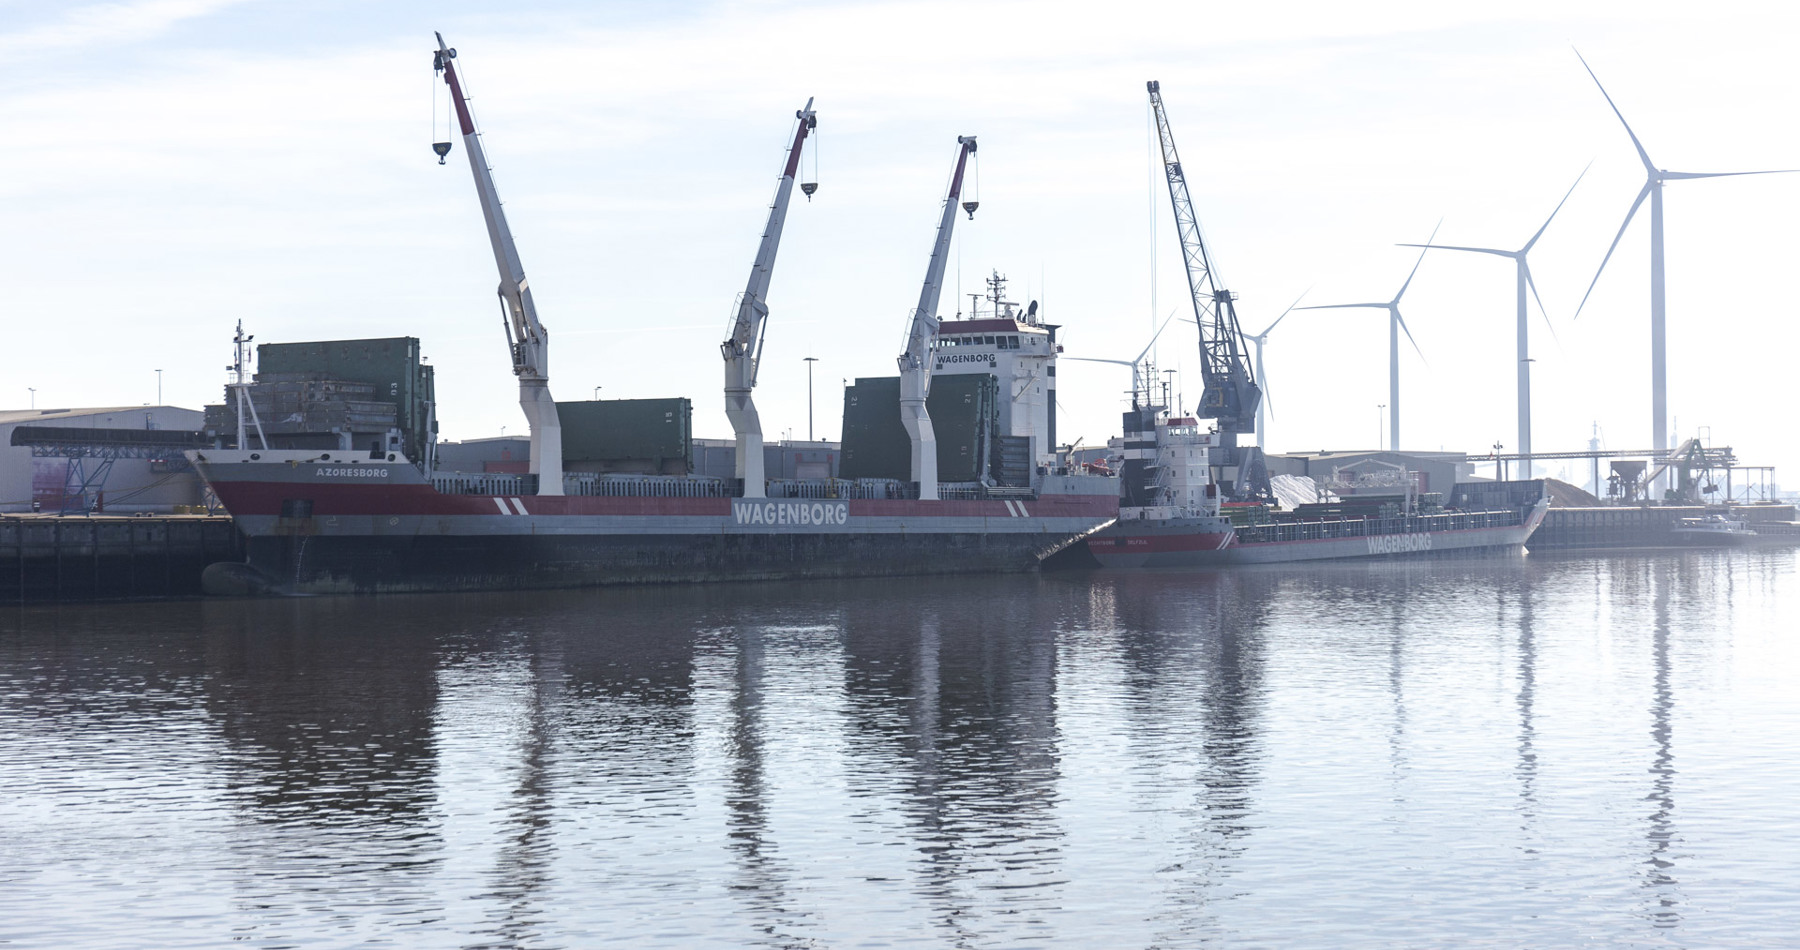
[[1524, 280], [1396, 324], [1653, 189], [1146, 384]]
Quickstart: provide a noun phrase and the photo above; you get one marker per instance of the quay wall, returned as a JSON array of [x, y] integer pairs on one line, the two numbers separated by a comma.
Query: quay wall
[[46, 558], [1623, 527]]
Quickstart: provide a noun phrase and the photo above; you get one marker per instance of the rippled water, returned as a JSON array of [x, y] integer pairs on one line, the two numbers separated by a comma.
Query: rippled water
[[1594, 751]]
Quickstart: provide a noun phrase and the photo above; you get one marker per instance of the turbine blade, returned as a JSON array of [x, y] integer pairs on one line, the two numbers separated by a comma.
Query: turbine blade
[[1678, 176], [1642, 194], [1540, 301], [1452, 247], [1091, 359], [1559, 204], [1416, 263], [1267, 400], [1284, 313], [1649, 166], [1153, 338], [1345, 306], [1408, 331]]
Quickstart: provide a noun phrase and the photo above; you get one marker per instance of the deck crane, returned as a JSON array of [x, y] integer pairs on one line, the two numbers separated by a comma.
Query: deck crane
[[915, 362], [743, 351], [526, 337], [1230, 393]]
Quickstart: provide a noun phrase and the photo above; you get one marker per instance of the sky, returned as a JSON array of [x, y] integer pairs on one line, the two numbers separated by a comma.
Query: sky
[[170, 167]]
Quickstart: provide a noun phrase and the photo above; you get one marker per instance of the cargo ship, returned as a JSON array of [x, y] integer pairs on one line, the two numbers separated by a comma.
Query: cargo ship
[[1172, 514], [326, 456]]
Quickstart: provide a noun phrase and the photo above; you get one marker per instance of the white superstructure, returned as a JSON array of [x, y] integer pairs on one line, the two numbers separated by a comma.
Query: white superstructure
[[1009, 343]]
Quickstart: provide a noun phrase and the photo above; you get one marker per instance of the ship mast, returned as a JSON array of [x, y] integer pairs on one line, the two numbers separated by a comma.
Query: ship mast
[[743, 351], [527, 339], [915, 362]]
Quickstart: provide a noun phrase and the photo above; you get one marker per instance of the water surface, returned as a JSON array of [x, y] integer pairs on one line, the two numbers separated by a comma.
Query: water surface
[[1519, 752]]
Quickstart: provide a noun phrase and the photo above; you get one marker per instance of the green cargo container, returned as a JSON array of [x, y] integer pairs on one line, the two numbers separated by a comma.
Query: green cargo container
[[609, 434], [964, 411], [391, 365]]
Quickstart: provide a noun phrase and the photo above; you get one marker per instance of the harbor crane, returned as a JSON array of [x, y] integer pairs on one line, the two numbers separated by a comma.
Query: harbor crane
[[915, 361], [525, 336], [743, 350], [1230, 394]]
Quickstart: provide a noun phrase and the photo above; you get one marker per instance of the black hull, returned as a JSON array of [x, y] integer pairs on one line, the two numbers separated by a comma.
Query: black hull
[[326, 564]]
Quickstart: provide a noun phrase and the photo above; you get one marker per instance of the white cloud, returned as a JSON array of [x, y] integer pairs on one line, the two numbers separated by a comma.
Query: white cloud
[[106, 23]]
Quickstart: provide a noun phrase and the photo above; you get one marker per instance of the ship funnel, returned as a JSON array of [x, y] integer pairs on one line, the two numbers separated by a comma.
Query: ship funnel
[[970, 207], [442, 149]]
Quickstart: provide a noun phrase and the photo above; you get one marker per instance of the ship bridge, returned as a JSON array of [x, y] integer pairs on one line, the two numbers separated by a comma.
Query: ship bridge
[[1007, 342]]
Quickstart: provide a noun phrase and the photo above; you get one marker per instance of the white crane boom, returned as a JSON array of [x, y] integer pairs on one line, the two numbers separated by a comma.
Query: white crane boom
[[915, 362], [743, 351], [526, 337]]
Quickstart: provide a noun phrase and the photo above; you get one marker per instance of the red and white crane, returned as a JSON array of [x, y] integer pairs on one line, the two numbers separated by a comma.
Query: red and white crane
[[915, 362], [743, 350], [526, 337]]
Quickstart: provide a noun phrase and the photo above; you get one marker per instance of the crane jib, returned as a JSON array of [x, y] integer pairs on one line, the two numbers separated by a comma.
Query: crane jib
[[462, 108], [1231, 393]]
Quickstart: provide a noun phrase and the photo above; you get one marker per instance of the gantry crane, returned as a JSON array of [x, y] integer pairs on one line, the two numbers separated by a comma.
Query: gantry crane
[[743, 350], [915, 362], [1230, 393], [526, 337]]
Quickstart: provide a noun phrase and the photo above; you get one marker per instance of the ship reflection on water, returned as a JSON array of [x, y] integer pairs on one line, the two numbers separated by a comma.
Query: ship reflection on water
[[1350, 755]]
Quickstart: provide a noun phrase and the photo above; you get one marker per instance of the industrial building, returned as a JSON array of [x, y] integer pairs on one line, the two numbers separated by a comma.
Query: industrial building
[[128, 481]]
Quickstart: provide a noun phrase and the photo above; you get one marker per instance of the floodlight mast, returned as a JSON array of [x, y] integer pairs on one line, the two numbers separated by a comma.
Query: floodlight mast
[[1230, 394], [527, 339], [743, 351], [915, 362]]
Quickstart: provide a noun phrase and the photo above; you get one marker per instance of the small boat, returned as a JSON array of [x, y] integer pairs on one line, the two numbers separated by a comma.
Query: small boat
[[1713, 531]]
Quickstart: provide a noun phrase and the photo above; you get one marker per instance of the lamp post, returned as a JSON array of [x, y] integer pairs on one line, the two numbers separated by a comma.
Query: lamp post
[[159, 387], [33, 396], [596, 393], [810, 360], [1380, 425]]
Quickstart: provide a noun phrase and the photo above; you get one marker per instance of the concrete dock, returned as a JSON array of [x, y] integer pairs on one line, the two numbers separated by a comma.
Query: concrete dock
[[49, 558], [1634, 526]]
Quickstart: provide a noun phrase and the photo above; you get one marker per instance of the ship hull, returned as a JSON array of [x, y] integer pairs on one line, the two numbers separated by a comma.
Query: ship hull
[[328, 564], [370, 528], [1210, 542]]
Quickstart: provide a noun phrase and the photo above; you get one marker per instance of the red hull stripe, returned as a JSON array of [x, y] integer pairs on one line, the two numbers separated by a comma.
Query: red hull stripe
[[1159, 543], [264, 498]]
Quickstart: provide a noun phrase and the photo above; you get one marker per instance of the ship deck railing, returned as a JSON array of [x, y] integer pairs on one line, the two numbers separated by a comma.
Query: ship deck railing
[[1282, 531], [484, 483], [888, 488], [645, 486], [686, 486]]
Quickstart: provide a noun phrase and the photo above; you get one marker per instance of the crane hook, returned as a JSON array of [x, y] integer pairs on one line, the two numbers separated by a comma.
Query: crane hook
[[442, 149], [970, 207], [808, 187]]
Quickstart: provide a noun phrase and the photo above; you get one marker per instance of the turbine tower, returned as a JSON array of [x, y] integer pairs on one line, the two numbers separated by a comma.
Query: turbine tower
[[1653, 189], [1396, 325], [1524, 281], [1257, 340]]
